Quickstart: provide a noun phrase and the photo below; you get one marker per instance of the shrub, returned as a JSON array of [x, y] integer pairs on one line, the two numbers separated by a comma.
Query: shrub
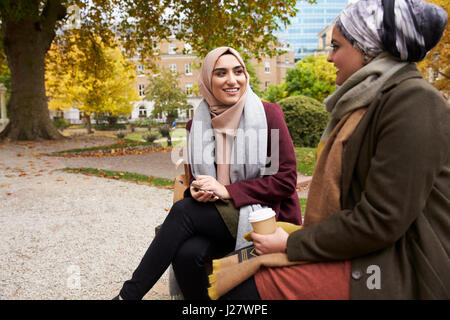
[[145, 123], [150, 137], [306, 118], [121, 134], [61, 123], [107, 127]]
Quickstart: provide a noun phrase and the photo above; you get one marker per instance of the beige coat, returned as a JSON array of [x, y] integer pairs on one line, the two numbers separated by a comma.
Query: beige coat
[[395, 226]]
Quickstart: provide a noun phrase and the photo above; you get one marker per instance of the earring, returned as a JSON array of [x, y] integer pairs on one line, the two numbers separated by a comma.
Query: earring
[[365, 60]]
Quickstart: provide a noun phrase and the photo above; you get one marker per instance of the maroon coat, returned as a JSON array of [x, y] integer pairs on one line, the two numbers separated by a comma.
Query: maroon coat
[[279, 190]]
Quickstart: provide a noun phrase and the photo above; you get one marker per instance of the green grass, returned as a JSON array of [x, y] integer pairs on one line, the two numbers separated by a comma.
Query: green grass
[[302, 206], [306, 159], [123, 175], [139, 135], [119, 145]]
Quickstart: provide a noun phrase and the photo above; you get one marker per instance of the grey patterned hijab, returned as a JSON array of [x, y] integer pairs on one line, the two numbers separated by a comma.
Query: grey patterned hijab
[[407, 29]]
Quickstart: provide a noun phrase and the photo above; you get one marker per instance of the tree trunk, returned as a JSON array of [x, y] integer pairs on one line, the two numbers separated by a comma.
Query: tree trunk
[[26, 46], [88, 123]]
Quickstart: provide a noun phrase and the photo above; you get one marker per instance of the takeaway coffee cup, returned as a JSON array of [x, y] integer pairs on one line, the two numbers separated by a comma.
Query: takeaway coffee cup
[[263, 221]]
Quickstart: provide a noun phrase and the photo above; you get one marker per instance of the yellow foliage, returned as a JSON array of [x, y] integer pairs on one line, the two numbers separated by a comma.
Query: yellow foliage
[[86, 74]]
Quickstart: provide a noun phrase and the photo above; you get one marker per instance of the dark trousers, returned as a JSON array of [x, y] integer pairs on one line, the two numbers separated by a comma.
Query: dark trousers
[[192, 234]]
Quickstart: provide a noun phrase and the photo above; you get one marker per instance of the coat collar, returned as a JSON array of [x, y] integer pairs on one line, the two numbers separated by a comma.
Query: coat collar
[[407, 72]]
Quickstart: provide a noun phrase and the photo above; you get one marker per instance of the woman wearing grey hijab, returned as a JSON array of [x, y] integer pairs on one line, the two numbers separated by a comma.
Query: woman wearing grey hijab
[[377, 217]]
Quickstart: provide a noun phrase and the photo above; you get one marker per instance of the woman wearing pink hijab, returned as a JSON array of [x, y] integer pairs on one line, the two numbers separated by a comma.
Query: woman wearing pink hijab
[[242, 159]]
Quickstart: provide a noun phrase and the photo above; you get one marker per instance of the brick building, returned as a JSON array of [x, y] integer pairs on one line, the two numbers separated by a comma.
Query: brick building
[[268, 70]]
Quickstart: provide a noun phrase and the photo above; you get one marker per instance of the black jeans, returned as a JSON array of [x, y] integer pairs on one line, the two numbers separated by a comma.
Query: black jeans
[[192, 234]]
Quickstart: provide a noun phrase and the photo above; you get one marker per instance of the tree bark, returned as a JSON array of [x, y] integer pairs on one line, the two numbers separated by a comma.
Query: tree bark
[[26, 44]]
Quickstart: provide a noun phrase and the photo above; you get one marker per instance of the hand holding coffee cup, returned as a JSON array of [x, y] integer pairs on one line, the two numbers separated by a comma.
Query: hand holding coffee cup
[[263, 221]]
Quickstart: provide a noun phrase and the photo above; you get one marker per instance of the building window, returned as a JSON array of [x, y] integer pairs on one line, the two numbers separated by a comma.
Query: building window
[[141, 69], [266, 85], [173, 67], [324, 41], [142, 112], [187, 48], [188, 69], [267, 67], [172, 48], [189, 89], [286, 58], [141, 90]]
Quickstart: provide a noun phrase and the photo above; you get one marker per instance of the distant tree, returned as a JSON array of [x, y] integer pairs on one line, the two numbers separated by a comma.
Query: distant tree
[[90, 76], [275, 92], [166, 94], [313, 77], [437, 61]]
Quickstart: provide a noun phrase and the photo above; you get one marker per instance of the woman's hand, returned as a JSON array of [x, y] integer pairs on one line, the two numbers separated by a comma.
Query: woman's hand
[[210, 184], [202, 195], [270, 243]]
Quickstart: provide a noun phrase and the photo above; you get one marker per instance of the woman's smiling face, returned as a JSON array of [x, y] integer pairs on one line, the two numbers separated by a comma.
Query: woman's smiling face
[[228, 82], [346, 58]]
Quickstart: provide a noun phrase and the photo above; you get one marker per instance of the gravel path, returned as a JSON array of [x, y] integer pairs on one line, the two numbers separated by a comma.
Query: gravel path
[[68, 236]]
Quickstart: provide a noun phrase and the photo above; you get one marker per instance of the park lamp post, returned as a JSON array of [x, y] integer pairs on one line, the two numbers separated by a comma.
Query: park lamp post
[[3, 119]]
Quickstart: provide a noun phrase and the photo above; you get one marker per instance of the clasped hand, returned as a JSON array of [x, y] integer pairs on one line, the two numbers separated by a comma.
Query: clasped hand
[[208, 189]]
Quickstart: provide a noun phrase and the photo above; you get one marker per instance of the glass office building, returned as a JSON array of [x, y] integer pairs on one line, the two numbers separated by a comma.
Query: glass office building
[[311, 19]]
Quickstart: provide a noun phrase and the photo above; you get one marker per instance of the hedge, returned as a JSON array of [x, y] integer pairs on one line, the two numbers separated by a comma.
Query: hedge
[[306, 118]]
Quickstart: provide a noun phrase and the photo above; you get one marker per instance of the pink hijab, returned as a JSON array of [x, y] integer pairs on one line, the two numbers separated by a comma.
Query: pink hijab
[[225, 119]]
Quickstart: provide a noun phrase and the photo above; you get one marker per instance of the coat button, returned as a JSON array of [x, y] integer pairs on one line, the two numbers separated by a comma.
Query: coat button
[[356, 274]]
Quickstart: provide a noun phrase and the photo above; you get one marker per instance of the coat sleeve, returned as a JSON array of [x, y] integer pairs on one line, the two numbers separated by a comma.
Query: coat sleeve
[[411, 138], [272, 188]]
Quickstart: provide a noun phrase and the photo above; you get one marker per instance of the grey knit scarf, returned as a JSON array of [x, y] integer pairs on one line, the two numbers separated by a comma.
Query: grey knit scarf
[[360, 89]]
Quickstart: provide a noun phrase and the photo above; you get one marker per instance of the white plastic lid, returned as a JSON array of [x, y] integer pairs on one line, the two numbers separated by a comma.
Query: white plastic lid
[[260, 215]]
